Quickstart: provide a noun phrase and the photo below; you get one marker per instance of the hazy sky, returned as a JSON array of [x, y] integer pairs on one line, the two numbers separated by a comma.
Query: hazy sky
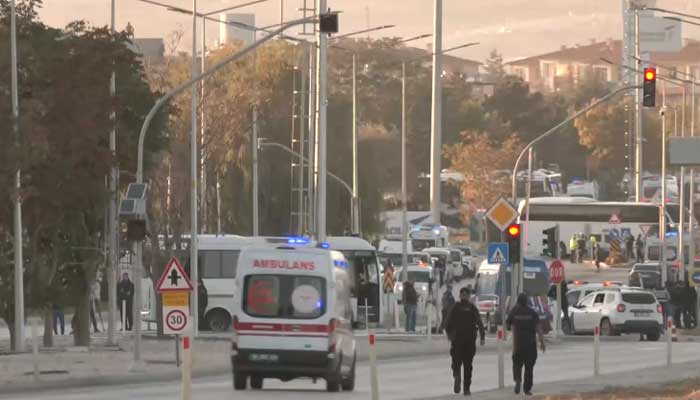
[[517, 28]]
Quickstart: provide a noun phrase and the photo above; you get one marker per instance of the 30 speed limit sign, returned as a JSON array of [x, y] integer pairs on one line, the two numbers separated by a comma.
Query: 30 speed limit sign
[[176, 320]]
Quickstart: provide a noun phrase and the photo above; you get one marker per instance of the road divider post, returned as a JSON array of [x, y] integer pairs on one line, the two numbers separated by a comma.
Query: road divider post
[[123, 316], [501, 364], [35, 346], [669, 341], [430, 321], [186, 388], [374, 375], [596, 351]]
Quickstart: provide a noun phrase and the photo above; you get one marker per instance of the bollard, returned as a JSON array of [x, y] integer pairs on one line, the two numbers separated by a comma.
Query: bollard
[[123, 316], [395, 306], [35, 347], [596, 351], [669, 340], [186, 390], [374, 378], [177, 351], [430, 323], [674, 338], [501, 365]]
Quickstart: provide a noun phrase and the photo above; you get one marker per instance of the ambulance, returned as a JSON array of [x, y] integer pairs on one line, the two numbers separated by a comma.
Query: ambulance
[[292, 317]]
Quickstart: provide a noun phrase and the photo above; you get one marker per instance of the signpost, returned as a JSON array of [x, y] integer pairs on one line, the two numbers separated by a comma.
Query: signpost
[[556, 274], [502, 213], [498, 253], [175, 287]]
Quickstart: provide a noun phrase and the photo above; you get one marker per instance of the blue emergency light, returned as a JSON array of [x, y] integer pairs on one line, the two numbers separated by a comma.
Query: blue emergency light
[[324, 245], [297, 240]]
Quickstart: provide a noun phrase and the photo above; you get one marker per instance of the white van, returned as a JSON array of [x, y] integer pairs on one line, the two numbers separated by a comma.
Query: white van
[[292, 317]]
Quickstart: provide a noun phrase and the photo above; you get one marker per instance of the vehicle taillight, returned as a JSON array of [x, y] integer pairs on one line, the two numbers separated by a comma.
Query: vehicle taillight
[[332, 326], [620, 308], [659, 309]]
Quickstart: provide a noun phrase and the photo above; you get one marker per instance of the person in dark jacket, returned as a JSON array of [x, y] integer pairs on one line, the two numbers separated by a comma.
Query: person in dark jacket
[[125, 293], [463, 322], [448, 300], [640, 248], [689, 298], [202, 303], [525, 325], [410, 304]]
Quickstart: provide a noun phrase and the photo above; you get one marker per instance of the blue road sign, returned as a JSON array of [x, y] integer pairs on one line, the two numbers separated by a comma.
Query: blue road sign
[[498, 253]]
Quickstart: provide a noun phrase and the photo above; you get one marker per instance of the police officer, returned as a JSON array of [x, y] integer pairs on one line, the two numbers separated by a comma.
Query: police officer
[[463, 322], [524, 323]]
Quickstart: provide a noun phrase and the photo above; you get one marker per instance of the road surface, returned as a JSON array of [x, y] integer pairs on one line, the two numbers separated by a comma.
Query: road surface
[[409, 378]]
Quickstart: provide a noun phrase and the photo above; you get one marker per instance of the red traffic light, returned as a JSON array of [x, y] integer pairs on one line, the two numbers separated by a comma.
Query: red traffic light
[[513, 230], [649, 74]]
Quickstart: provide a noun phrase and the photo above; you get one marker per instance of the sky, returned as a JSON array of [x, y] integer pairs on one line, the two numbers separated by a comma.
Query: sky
[[516, 28]]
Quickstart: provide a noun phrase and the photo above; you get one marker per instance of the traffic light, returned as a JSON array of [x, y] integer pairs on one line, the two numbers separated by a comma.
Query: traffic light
[[550, 242], [649, 88], [328, 23], [513, 238], [136, 230]]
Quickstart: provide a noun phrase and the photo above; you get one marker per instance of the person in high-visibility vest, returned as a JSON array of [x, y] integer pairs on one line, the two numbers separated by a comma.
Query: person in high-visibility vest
[[573, 243]]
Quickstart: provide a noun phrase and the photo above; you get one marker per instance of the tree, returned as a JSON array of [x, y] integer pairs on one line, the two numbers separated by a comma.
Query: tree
[[65, 158], [481, 159], [495, 71]]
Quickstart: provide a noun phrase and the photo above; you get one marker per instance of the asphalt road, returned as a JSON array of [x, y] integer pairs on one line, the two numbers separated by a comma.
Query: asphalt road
[[409, 378]]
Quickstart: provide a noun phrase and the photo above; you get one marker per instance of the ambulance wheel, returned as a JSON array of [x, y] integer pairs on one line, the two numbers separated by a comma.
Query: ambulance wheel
[[240, 381], [349, 381], [218, 320], [256, 382], [334, 380]]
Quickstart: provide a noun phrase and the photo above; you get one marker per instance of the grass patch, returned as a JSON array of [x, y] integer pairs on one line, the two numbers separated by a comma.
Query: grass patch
[[688, 389]]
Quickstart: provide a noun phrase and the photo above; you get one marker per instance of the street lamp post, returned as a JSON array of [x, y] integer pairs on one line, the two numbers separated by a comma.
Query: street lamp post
[[436, 116], [321, 143], [113, 223], [19, 258]]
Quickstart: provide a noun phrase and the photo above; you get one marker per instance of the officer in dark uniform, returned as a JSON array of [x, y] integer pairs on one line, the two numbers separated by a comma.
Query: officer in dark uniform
[[525, 324], [463, 322]]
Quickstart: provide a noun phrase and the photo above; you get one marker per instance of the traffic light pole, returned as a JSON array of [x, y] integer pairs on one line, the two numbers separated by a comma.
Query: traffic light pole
[[638, 114]]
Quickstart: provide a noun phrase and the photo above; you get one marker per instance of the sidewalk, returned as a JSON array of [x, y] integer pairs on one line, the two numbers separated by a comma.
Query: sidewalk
[[650, 378]]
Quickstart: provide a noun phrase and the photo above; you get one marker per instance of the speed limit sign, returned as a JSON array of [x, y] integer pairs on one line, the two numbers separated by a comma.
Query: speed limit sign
[[176, 320]]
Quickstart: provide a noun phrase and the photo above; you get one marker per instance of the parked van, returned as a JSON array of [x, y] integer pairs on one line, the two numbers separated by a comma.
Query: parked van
[[292, 317]]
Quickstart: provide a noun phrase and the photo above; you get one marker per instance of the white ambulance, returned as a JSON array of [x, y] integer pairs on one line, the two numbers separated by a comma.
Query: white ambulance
[[292, 317]]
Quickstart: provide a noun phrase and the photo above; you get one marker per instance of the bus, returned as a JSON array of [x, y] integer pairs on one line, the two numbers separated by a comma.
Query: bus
[[218, 265], [572, 215]]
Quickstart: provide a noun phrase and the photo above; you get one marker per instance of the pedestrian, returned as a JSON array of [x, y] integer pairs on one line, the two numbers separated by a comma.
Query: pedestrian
[[676, 293], [640, 248], [463, 323], [598, 256], [125, 294], [594, 242], [410, 304], [525, 325], [629, 244], [202, 303], [688, 298], [58, 319], [581, 247], [440, 266], [447, 301], [94, 298], [573, 242]]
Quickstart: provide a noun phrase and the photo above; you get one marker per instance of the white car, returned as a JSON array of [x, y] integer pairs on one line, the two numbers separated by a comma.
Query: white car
[[618, 310], [423, 276]]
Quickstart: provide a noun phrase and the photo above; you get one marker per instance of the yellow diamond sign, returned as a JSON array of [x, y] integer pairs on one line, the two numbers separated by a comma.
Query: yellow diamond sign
[[502, 213]]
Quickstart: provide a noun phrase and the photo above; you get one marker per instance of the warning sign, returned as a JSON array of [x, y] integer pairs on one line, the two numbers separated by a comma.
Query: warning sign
[[173, 278]]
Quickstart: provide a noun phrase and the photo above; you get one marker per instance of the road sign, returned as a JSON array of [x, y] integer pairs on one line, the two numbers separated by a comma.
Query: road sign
[[389, 280], [615, 219], [556, 272], [502, 213], [179, 298], [659, 34], [695, 278], [173, 278], [498, 253], [175, 320]]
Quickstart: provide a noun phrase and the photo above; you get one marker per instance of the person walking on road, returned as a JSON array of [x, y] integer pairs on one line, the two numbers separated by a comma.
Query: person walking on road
[[59, 319], [525, 325], [125, 293], [640, 248], [573, 242], [410, 304], [629, 245], [463, 322], [594, 242], [447, 301]]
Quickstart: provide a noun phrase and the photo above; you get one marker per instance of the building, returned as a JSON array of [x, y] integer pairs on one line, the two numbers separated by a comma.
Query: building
[[563, 69], [150, 49], [233, 27]]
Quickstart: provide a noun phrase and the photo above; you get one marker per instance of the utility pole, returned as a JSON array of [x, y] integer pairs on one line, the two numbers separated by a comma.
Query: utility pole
[[256, 189], [322, 81], [436, 132], [355, 183], [638, 168], [202, 155], [19, 258], [194, 268], [404, 212], [113, 222], [313, 112]]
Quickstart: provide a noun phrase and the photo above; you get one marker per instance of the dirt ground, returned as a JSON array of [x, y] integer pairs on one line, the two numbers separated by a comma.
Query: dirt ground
[[683, 390]]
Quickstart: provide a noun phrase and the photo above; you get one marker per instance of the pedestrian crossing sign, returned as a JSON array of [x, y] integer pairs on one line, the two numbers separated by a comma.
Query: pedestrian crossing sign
[[498, 253]]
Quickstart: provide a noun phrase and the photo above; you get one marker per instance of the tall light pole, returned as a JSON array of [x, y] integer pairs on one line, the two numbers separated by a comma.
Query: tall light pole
[[321, 143], [638, 167], [113, 221], [19, 258], [436, 116], [194, 264]]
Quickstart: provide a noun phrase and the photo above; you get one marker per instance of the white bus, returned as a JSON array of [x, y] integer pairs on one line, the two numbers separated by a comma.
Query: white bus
[[610, 220]]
